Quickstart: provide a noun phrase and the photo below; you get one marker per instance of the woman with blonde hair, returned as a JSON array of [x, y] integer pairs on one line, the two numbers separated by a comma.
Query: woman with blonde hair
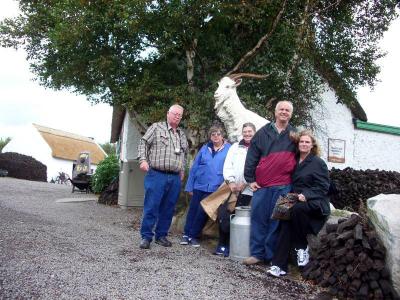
[[310, 182]]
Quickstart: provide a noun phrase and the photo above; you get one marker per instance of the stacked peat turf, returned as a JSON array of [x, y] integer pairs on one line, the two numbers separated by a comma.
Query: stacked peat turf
[[23, 167], [356, 186], [110, 195], [350, 261]]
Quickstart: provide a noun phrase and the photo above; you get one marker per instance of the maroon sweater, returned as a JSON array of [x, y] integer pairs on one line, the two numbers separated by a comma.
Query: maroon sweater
[[270, 160]]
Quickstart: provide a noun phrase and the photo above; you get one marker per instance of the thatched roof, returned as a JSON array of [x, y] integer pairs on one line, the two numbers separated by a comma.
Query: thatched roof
[[67, 145]]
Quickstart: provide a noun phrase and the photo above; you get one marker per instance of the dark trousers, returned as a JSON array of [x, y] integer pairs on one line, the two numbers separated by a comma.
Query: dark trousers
[[243, 200], [161, 194], [196, 217], [263, 231], [292, 234]]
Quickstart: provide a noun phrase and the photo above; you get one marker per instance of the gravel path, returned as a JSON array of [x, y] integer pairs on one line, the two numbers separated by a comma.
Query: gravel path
[[85, 250]]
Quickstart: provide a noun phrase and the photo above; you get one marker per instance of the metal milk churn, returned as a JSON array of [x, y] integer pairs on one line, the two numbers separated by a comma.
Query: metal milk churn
[[239, 245]]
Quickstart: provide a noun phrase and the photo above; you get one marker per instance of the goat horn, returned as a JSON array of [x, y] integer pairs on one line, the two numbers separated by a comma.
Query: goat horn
[[249, 75]]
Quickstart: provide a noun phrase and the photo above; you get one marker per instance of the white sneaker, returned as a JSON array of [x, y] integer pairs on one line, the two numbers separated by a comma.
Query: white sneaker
[[276, 271], [302, 257]]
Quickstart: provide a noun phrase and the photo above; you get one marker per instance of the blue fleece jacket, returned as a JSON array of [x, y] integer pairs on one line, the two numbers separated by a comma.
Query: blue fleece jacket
[[206, 173]]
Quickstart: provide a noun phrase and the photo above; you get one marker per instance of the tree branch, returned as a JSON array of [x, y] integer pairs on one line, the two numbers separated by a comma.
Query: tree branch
[[203, 67], [315, 13], [190, 55], [336, 83], [248, 75], [299, 44], [147, 43], [249, 55]]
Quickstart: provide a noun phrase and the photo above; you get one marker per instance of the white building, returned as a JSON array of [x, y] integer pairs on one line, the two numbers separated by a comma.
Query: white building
[[347, 140], [131, 179], [54, 148]]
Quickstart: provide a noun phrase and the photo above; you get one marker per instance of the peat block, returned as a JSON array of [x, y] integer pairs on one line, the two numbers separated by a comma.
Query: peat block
[[353, 187], [110, 195]]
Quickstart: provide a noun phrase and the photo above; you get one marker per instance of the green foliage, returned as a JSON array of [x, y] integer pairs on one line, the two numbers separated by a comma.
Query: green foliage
[[106, 172], [4, 142], [134, 52], [109, 148]]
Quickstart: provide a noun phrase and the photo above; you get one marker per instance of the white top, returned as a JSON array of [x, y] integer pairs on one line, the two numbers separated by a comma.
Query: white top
[[234, 166]]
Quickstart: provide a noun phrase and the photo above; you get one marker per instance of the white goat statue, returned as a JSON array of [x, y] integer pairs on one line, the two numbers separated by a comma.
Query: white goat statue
[[230, 109]]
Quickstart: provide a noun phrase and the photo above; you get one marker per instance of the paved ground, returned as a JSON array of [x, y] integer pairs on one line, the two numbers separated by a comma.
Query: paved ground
[[85, 250]]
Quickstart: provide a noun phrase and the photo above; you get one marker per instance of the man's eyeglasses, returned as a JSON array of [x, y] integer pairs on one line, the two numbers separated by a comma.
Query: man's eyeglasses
[[176, 114], [216, 134]]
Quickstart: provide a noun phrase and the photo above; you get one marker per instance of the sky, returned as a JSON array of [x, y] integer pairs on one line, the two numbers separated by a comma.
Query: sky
[[23, 101], [382, 105]]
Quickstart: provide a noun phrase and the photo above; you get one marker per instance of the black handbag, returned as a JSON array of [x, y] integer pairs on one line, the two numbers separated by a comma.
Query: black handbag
[[283, 205], [223, 215]]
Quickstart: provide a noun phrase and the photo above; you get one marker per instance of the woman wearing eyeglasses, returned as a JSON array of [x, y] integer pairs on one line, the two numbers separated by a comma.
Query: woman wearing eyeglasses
[[205, 176]]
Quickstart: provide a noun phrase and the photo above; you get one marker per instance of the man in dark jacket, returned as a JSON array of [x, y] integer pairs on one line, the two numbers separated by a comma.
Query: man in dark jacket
[[269, 165]]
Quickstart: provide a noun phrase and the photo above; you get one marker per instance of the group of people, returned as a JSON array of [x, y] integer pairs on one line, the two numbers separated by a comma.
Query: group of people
[[261, 167], [216, 162]]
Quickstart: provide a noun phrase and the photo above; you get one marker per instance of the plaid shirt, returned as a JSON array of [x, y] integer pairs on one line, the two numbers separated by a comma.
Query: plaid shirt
[[158, 145]]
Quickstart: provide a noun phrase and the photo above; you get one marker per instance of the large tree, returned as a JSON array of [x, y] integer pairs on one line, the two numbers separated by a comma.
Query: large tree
[[4, 142], [145, 55]]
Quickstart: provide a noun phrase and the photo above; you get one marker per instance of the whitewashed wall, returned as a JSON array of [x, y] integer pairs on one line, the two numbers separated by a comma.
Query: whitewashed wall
[[130, 140], [364, 149], [57, 165], [376, 150], [131, 178], [334, 120], [30, 142]]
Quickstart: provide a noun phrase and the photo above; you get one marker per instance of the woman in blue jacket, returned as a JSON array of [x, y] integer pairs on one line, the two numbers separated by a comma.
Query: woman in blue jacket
[[205, 177]]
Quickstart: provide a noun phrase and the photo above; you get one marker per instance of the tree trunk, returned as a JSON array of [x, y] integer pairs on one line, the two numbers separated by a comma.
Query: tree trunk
[[190, 55]]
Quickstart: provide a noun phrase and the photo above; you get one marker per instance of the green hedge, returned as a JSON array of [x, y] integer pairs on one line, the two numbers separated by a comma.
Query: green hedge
[[106, 172]]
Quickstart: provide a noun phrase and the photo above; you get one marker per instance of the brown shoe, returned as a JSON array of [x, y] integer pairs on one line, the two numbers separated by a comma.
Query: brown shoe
[[251, 261]]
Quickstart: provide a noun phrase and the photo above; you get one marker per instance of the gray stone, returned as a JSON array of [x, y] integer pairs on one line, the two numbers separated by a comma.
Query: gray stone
[[383, 211]]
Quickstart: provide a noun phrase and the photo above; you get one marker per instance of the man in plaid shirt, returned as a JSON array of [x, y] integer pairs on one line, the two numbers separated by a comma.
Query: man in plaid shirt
[[162, 155]]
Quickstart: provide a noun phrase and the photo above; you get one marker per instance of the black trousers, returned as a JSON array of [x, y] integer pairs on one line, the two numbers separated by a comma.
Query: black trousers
[[243, 200], [292, 234]]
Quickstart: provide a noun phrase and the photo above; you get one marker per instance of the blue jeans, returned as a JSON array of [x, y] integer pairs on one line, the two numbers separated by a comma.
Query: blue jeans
[[161, 194], [196, 217], [263, 232]]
